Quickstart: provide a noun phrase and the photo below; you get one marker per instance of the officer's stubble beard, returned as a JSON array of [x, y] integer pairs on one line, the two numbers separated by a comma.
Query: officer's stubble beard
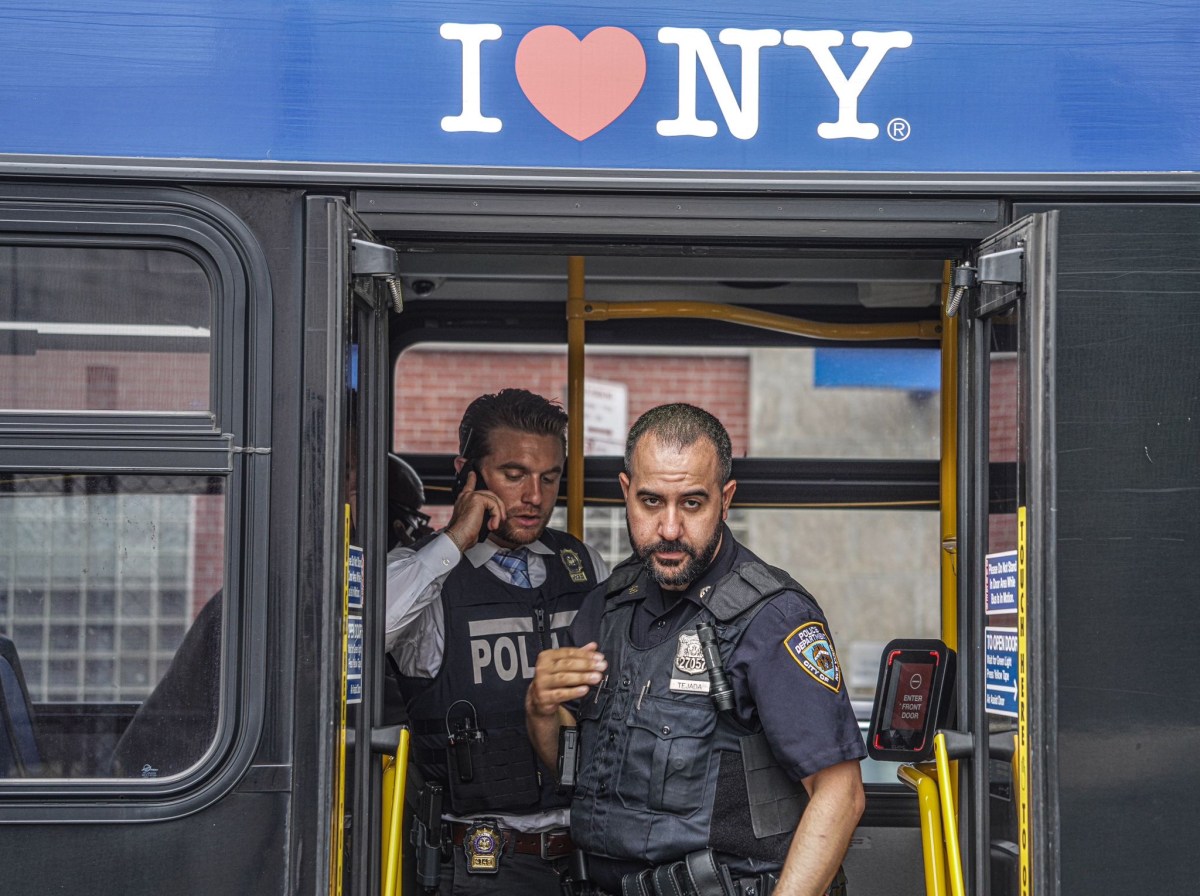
[[679, 577], [510, 537]]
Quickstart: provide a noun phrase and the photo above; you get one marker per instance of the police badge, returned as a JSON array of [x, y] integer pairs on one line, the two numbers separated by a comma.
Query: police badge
[[689, 659], [573, 564], [482, 844]]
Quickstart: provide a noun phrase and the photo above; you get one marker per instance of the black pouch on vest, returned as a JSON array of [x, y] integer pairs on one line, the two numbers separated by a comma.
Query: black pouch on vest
[[492, 772], [757, 806]]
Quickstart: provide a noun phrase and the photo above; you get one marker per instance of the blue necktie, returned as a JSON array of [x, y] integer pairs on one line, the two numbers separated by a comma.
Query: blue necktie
[[515, 565]]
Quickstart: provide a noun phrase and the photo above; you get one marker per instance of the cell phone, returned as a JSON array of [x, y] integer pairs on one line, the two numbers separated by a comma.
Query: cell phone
[[460, 482]]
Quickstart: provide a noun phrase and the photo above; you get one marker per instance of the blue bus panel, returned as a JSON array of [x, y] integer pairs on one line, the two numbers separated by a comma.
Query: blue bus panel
[[702, 85]]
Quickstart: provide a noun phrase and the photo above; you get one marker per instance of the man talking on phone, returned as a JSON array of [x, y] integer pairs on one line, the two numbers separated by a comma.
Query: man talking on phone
[[468, 611]]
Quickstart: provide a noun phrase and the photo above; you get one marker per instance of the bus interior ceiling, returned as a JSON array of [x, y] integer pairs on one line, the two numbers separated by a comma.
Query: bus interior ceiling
[[454, 286]]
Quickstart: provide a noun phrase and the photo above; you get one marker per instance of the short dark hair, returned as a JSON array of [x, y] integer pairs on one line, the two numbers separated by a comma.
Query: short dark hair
[[517, 409], [681, 425]]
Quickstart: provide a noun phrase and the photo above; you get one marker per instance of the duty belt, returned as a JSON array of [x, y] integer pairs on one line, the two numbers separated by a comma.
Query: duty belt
[[552, 844]]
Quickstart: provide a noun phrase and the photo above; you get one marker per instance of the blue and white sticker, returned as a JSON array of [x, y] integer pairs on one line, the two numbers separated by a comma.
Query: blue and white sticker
[[812, 649], [354, 659], [354, 584], [1001, 583]]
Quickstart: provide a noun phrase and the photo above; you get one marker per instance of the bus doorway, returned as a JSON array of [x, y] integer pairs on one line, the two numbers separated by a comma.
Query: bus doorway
[[838, 427]]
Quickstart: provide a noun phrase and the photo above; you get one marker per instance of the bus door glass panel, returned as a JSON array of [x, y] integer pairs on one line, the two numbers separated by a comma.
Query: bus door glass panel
[[998, 337], [1006, 492], [365, 444]]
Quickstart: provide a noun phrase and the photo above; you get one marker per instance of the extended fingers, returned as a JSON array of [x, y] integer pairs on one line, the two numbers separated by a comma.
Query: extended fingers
[[566, 673]]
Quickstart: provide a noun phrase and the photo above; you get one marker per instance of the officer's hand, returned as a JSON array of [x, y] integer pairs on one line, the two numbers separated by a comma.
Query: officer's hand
[[563, 674], [470, 509]]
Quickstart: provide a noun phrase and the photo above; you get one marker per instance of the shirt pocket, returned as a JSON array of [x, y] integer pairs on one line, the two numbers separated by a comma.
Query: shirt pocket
[[594, 761], [668, 755]]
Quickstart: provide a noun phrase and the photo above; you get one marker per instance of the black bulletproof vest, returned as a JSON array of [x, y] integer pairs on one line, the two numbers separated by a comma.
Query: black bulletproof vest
[[661, 772], [494, 632]]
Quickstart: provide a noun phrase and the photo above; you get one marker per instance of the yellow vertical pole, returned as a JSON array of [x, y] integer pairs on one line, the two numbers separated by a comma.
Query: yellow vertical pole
[[948, 504], [948, 473], [575, 374]]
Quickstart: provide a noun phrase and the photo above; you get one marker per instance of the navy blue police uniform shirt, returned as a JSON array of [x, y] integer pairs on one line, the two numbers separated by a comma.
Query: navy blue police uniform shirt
[[781, 672]]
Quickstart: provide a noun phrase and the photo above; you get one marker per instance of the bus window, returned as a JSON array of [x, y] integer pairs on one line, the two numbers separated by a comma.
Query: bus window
[[101, 581], [116, 521], [87, 329]]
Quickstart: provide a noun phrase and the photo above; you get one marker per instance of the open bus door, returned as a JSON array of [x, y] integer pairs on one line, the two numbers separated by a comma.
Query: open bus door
[[349, 291], [1005, 340]]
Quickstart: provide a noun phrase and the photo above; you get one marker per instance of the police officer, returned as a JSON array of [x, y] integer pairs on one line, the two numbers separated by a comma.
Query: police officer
[[719, 752], [469, 610]]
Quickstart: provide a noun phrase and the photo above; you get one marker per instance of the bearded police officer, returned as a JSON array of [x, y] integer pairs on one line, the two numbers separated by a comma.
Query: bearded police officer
[[469, 610], [718, 750]]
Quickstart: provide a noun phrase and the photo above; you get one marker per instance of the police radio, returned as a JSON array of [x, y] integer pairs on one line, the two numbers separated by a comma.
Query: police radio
[[720, 689], [568, 758], [463, 738]]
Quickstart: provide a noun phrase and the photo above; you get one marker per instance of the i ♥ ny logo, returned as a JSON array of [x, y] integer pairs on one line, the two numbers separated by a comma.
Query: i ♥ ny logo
[[582, 85]]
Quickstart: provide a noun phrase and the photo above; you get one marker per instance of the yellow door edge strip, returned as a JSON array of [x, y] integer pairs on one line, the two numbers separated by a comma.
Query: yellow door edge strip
[[1024, 804]]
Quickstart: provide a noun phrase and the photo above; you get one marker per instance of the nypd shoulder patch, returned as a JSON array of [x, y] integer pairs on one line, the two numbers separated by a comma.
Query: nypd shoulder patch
[[812, 649]]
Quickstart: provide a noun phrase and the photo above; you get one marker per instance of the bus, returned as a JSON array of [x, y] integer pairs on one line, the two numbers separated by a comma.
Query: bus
[[936, 267]]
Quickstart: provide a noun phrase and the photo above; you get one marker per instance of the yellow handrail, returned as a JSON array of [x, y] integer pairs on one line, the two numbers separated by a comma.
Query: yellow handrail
[[949, 817], [922, 780], [395, 775], [766, 320]]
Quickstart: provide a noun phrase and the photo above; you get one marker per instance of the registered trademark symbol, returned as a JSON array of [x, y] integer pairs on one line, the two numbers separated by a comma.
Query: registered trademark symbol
[[899, 129]]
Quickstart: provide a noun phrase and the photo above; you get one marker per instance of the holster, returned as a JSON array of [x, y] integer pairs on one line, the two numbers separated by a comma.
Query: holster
[[574, 878], [700, 874], [426, 836]]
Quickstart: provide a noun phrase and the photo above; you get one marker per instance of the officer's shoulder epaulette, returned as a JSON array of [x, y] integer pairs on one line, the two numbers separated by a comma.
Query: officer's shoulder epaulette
[[622, 576], [748, 585]]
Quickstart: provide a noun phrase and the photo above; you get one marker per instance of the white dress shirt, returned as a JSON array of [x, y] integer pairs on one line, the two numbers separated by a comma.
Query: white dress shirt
[[414, 629]]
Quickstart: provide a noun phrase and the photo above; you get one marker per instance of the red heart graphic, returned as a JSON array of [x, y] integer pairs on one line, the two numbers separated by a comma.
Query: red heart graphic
[[580, 86]]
